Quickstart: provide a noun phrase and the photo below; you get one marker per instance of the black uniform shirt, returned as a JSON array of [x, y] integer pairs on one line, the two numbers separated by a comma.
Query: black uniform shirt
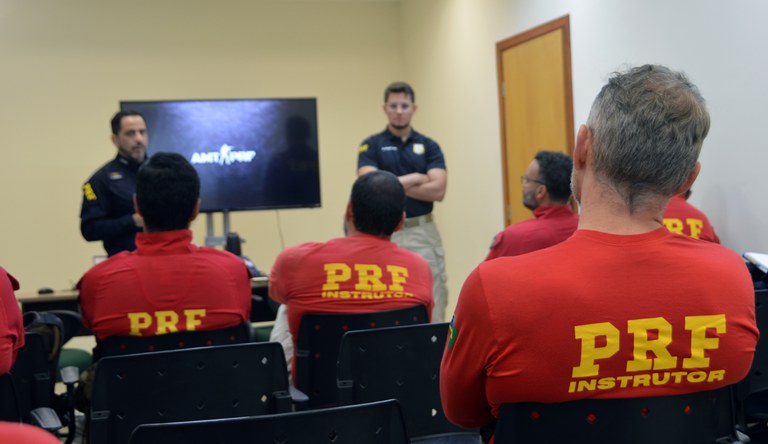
[[418, 154], [107, 211]]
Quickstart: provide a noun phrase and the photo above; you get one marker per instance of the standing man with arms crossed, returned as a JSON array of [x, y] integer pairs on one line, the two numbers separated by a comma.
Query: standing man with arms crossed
[[633, 309], [418, 163], [107, 213]]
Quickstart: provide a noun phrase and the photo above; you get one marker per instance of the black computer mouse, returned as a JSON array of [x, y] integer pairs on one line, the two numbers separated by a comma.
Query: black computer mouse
[[45, 290]]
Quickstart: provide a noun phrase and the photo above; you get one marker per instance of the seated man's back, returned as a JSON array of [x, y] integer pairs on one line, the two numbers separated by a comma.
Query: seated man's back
[[622, 316], [623, 308], [362, 272], [168, 284]]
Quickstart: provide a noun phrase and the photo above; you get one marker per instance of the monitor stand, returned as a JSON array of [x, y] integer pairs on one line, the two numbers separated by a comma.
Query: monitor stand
[[212, 240]]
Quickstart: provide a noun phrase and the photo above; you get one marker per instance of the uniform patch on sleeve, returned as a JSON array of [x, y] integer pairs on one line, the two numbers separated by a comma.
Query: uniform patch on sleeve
[[88, 192], [418, 148], [363, 148], [452, 332]]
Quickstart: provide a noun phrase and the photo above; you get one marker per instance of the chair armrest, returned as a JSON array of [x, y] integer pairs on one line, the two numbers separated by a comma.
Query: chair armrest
[[300, 399], [45, 418], [70, 375]]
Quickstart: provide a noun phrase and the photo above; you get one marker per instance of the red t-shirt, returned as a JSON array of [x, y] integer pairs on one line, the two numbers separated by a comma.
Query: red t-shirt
[[551, 226], [598, 316], [352, 274], [683, 218], [11, 324], [166, 285]]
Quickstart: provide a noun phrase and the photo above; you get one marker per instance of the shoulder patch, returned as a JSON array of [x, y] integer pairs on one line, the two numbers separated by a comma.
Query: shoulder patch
[[88, 192], [115, 175], [452, 332], [363, 148], [418, 148]]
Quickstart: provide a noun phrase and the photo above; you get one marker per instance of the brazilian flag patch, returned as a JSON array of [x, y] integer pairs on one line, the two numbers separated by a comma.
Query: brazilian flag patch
[[452, 332]]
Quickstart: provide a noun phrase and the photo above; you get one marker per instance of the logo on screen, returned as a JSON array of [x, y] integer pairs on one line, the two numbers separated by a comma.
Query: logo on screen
[[225, 156]]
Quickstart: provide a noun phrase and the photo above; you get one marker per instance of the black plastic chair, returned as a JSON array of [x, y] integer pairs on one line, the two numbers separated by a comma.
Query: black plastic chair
[[10, 411], [401, 363], [753, 390], [26, 392], [182, 385], [374, 423], [317, 346], [695, 418], [124, 345]]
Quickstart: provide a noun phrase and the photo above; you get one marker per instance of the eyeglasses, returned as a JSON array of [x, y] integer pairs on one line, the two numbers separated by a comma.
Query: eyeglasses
[[524, 180]]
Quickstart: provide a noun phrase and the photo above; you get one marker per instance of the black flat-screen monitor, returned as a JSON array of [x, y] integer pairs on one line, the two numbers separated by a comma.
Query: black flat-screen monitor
[[251, 154]]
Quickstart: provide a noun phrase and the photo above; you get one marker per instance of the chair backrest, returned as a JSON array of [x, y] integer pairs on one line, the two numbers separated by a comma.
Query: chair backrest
[[701, 417], [401, 363], [374, 423], [317, 346], [9, 402], [190, 384], [124, 345], [753, 390], [32, 375]]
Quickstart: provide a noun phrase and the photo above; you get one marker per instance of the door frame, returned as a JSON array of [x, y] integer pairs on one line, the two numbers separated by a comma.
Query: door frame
[[558, 23]]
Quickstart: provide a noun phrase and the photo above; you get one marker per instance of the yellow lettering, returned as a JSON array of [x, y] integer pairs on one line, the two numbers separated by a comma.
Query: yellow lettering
[[398, 275], [590, 352], [590, 384], [716, 375], [674, 225], [606, 383], [572, 387], [369, 277], [335, 273], [166, 322], [640, 329], [139, 321], [624, 381], [657, 381], [695, 226], [642, 381], [698, 326], [192, 317], [678, 376], [695, 377]]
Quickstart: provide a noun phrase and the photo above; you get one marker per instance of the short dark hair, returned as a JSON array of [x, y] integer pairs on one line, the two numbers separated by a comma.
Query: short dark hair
[[555, 171], [378, 202], [117, 120], [399, 87], [167, 189]]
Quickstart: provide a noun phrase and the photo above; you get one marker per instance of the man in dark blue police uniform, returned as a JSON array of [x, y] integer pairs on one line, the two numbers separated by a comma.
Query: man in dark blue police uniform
[[107, 213], [419, 164]]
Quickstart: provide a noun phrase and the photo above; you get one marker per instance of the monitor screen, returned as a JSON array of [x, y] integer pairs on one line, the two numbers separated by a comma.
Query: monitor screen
[[250, 154]]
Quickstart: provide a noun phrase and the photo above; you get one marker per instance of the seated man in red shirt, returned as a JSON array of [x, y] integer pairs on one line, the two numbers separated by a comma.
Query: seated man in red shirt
[[546, 190], [11, 324], [623, 308], [167, 284], [362, 272], [683, 218]]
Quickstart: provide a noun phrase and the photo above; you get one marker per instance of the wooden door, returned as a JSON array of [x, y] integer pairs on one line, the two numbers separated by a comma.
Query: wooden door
[[535, 103]]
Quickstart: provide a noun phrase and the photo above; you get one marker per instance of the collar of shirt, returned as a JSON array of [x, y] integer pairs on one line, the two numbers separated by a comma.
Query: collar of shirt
[[554, 210], [164, 242], [129, 163]]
